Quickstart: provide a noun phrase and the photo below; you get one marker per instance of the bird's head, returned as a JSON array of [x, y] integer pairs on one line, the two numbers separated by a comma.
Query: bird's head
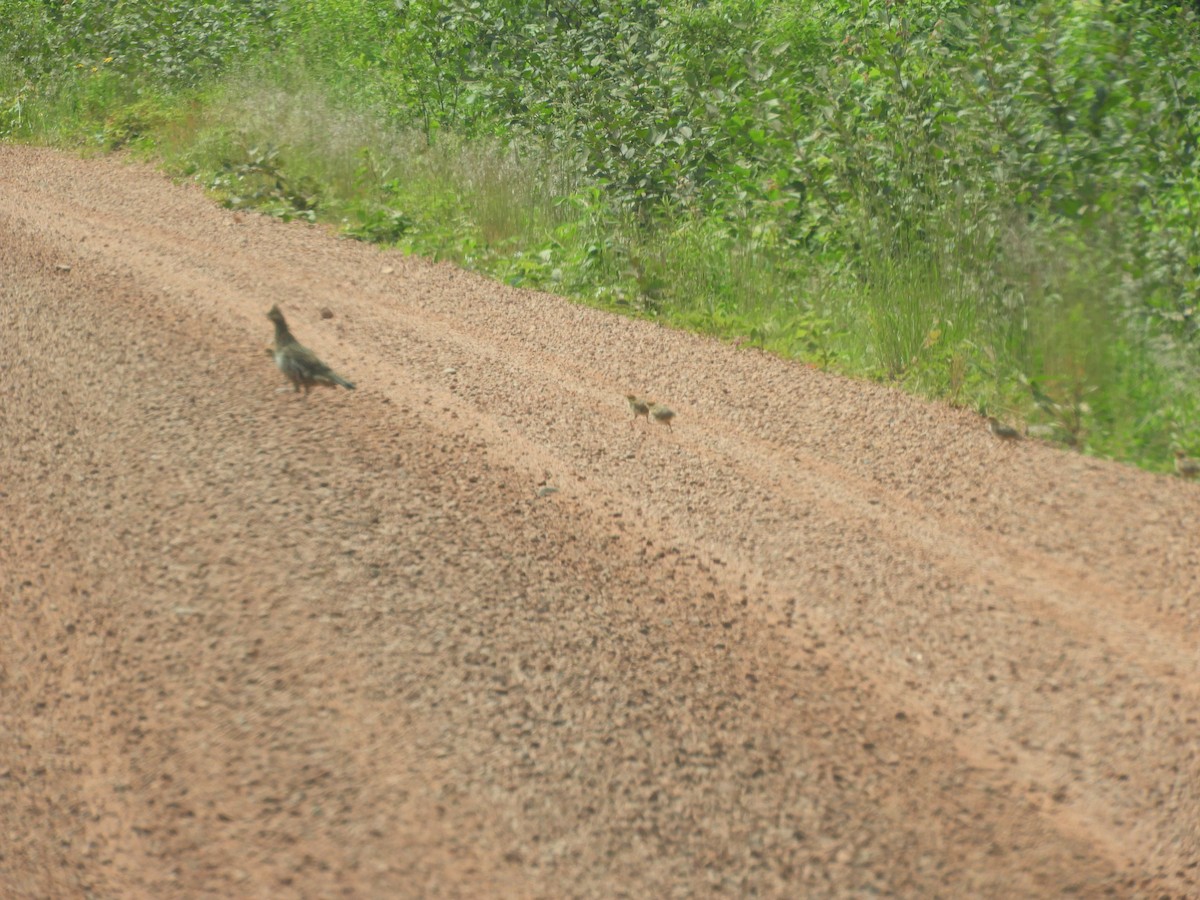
[[275, 315]]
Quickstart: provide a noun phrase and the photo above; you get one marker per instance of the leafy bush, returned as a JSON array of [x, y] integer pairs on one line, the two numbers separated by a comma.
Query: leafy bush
[[173, 41]]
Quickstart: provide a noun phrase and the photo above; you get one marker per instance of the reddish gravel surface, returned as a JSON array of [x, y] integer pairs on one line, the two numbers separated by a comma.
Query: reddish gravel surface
[[820, 639]]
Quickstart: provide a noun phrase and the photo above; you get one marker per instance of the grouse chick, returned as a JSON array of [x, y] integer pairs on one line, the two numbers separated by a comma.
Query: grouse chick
[[1002, 431], [662, 414], [1184, 467], [640, 408]]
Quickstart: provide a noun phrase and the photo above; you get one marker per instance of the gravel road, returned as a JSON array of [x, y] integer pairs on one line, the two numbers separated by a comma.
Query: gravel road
[[819, 639]]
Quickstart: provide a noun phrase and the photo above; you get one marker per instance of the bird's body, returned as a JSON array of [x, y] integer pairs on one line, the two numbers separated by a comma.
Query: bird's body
[[1184, 467], [661, 414], [1002, 431], [301, 366], [640, 408]]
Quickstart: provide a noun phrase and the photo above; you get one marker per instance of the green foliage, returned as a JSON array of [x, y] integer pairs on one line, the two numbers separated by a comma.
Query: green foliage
[[255, 177], [378, 225], [171, 41]]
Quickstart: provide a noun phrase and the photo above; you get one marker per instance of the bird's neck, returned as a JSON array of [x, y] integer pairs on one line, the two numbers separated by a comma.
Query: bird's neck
[[283, 337]]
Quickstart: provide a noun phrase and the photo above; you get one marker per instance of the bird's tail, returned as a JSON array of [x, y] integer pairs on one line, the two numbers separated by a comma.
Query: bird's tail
[[338, 379]]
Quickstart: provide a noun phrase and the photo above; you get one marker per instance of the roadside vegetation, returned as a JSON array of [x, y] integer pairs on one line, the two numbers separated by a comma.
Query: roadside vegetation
[[994, 204]]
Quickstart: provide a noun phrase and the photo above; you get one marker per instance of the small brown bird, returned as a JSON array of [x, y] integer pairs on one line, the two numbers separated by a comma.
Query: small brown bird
[[661, 414], [1002, 431], [301, 366], [640, 408], [1184, 467]]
